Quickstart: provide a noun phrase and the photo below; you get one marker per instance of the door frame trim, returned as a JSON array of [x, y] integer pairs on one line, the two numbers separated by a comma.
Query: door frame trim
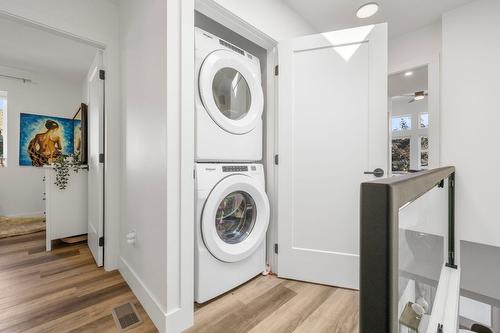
[[112, 246], [433, 63], [225, 17], [180, 254]]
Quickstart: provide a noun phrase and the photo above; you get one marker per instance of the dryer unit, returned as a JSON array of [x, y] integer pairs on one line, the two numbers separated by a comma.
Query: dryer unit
[[229, 102], [232, 216]]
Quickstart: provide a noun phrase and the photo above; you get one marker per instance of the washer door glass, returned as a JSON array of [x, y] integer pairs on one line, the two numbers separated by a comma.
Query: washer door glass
[[235, 217]]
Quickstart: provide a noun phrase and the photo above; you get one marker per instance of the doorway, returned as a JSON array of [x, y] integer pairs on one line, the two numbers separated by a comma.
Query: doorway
[[46, 101], [409, 120]]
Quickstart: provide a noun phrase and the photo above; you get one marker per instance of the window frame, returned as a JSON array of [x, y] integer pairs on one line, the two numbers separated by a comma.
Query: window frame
[[400, 117], [428, 120], [420, 150]]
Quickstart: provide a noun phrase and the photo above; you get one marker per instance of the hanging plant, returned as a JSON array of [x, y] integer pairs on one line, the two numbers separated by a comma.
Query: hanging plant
[[62, 166]]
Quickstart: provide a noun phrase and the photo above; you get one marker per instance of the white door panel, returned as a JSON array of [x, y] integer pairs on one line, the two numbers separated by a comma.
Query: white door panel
[[96, 169], [332, 128]]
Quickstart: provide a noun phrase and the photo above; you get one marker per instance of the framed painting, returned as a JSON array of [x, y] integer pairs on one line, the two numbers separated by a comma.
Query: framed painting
[[80, 133], [42, 139]]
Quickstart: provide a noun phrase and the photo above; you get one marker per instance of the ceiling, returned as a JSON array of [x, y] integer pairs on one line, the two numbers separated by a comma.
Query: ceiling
[[31, 49], [402, 15], [399, 84]]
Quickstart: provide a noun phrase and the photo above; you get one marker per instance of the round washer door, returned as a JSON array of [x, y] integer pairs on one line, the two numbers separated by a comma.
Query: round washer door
[[231, 92], [235, 218]]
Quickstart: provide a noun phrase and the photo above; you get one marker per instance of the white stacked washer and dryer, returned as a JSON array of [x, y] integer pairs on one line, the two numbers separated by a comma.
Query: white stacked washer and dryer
[[232, 208]]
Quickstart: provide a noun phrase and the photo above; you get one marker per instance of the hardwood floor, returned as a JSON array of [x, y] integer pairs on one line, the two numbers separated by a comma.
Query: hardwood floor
[[63, 291], [59, 291], [268, 304]]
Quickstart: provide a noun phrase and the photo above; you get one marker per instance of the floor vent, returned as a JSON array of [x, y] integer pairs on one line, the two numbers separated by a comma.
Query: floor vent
[[126, 317]]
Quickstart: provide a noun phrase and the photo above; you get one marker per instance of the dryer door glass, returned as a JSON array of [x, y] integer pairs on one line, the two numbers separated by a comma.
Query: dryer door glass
[[231, 93], [235, 217]]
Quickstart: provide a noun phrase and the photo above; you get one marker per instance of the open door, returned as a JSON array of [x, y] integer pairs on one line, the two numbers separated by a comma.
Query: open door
[[96, 161], [332, 132]]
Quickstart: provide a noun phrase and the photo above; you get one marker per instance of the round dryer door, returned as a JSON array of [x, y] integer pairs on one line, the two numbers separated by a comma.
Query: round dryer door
[[235, 218], [231, 92]]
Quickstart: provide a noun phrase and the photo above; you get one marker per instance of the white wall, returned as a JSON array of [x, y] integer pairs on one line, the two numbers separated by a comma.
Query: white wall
[[143, 58], [22, 186], [470, 116], [272, 17], [414, 48], [95, 21]]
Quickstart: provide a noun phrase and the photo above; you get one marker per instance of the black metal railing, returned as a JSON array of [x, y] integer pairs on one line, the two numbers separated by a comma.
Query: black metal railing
[[381, 201]]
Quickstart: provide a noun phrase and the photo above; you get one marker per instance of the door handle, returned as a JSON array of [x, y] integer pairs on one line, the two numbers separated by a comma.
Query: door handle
[[377, 172]]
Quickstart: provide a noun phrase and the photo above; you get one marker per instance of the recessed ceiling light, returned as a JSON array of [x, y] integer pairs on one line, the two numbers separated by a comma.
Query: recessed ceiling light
[[410, 73], [367, 10]]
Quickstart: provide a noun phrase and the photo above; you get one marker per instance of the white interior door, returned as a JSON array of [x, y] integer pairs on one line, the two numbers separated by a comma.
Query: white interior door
[[95, 162], [332, 128]]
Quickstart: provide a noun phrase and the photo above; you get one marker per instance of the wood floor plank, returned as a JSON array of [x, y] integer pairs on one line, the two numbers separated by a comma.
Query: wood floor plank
[[289, 316], [63, 291], [59, 291], [246, 316], [338, 314], [268, 304]]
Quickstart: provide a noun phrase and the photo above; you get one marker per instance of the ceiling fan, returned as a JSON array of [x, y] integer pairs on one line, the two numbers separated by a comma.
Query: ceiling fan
[[416, 96]]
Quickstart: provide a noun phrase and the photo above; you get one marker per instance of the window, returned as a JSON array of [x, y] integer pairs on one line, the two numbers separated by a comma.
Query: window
[[3, 128], [401, 123], [401, 155], [424, 151], [423, 120]]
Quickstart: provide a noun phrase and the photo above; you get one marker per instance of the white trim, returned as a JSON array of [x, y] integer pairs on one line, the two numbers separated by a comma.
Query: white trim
[[40, 26], [143, 294], [271, 137], [180, 65], [179, 160], [233, 22], [223, 16], [28, 214], [111, 247], [433, 64]]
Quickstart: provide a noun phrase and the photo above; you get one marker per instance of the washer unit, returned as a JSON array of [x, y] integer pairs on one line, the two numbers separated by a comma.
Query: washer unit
[[229, 101], [232, 216]]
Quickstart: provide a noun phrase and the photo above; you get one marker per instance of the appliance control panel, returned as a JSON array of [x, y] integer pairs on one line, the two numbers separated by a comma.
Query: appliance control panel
[[235, 168]]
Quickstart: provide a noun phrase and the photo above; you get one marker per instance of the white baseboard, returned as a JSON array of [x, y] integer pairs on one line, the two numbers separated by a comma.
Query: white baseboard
[[30, 214], [148, 301], [179, 320]]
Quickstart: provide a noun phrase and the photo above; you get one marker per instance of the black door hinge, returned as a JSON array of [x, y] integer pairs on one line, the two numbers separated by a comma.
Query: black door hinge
[[276, 248], [276, 70], [102, 74], [276, 159], [101, 158], [101, 241]]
